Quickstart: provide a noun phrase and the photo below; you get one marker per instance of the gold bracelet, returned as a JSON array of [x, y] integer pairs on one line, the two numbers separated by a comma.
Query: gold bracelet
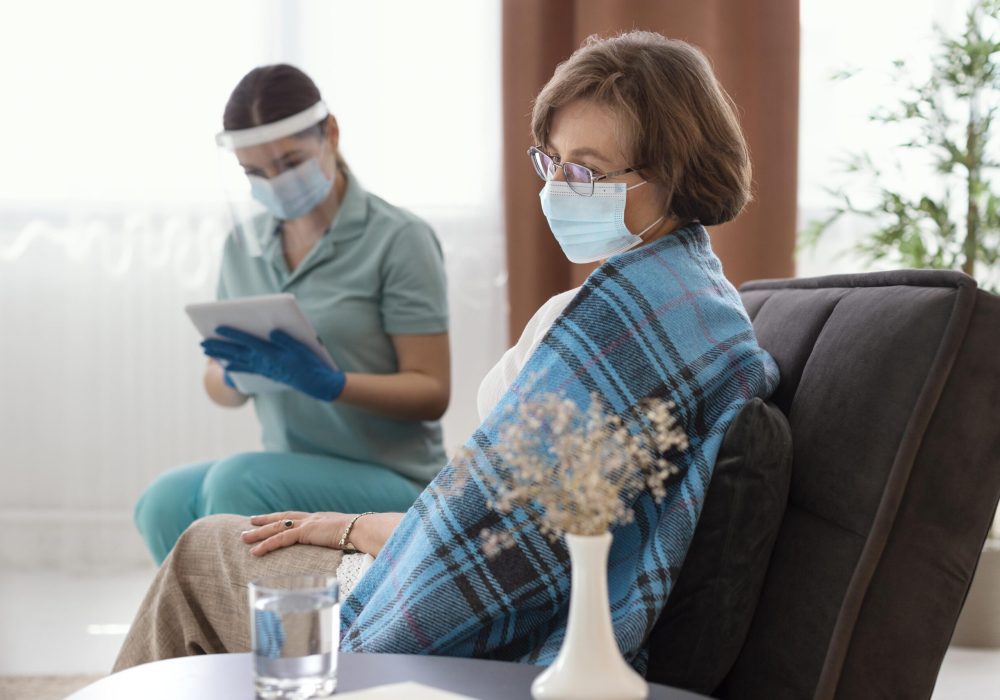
[[344, 544]]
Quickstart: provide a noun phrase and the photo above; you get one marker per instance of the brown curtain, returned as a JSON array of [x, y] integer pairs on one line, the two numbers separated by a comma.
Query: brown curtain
[[754, 47]]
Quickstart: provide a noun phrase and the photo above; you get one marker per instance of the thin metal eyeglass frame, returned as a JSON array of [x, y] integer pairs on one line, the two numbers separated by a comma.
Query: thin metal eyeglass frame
[[557, 164]]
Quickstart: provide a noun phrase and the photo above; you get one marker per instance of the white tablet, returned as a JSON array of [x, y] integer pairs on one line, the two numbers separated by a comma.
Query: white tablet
[[258, 315]]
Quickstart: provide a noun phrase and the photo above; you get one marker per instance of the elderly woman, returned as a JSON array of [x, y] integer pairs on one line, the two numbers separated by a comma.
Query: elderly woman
[[639, 149]]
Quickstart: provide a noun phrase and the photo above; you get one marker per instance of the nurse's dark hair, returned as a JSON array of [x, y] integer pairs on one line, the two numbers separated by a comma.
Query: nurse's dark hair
[[271, 93], [674, 119]]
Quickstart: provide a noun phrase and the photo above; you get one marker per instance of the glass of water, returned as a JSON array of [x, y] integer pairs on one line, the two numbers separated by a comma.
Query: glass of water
[[295, 633]]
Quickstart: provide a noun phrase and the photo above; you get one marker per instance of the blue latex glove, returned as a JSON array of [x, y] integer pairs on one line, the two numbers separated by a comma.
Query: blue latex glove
[[282, 359], [227, 380]]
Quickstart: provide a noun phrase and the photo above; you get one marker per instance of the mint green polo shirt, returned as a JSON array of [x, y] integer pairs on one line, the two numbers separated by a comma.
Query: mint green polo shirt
[[378, 271]]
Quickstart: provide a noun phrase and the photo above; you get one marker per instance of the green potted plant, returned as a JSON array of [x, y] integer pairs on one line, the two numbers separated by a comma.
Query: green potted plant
[[947, 119]]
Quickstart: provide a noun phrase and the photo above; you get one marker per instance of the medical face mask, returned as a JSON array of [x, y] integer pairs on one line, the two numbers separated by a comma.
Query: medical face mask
[[590, 228], [293, 193]]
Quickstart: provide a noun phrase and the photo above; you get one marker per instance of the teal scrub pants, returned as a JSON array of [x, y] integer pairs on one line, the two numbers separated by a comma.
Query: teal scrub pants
[[265, 482]]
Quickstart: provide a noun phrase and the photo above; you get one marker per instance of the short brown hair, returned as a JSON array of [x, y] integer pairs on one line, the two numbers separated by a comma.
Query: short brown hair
[[676, 119]]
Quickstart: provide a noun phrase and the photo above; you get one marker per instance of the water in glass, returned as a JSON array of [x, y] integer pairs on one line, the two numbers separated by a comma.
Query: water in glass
[[295, 630]]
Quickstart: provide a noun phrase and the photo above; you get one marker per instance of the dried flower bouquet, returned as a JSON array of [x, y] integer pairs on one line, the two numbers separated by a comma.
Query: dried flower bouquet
[[576, 470]]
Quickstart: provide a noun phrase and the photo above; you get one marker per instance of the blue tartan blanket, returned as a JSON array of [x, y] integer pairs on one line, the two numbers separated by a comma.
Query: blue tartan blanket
[[658, 321]]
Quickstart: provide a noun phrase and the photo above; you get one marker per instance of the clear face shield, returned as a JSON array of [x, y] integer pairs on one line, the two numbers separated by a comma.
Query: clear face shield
[[275, 172]]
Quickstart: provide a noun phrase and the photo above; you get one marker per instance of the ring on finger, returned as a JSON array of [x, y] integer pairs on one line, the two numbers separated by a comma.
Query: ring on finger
[[288, 523]]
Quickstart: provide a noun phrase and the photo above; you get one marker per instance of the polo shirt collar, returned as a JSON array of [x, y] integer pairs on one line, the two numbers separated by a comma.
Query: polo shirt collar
[[353, 213], [348, 223]]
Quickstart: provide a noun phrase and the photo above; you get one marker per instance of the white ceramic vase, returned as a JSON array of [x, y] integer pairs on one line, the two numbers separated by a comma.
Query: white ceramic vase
[[589, 664]]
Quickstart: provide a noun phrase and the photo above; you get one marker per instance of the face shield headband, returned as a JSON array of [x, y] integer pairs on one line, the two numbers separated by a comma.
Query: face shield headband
[[289, 126]]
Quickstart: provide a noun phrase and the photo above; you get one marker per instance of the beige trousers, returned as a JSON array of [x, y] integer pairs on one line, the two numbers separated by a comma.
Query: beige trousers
[[198, 601]]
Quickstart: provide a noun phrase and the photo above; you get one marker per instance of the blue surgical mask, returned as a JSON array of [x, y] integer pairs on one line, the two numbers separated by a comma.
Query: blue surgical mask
[[590, 228], [293, 193]]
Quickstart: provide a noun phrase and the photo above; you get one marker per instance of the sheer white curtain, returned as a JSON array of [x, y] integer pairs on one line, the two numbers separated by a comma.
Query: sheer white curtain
[[865, 38], [110, 221]]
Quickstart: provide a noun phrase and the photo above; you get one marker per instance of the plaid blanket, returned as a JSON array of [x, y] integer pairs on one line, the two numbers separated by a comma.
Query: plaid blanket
[[658, 321]]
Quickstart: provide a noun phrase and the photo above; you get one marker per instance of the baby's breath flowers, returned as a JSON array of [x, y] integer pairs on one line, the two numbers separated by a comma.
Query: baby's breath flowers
[[578, 470]]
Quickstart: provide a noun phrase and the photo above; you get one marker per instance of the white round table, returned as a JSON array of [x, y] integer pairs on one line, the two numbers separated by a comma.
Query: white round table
[[230, 677]]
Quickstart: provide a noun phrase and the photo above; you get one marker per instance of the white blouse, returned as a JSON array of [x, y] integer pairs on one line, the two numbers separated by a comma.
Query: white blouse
[[498, 379]]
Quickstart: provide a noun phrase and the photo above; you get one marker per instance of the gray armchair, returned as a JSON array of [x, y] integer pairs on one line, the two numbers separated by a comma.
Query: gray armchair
[[891, 385]]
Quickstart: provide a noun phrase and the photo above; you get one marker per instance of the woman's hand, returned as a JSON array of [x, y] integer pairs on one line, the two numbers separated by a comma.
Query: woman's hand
[[220, 390], [368, 535], [321, 529]]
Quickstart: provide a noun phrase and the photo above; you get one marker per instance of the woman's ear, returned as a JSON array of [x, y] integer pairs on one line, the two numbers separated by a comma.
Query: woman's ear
[[332, 132]]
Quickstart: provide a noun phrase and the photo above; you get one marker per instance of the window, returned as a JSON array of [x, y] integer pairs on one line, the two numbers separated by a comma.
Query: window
[[866, 37]]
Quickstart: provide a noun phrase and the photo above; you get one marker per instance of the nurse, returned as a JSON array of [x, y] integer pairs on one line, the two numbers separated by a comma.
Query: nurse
[[370, 278]]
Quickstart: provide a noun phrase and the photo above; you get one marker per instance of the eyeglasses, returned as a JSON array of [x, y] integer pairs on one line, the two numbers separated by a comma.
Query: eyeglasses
[[579, 178]]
